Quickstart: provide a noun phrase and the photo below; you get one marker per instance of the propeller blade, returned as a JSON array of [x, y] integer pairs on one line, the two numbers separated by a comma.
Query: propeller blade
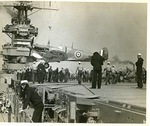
[[30, 53], [31, 47]]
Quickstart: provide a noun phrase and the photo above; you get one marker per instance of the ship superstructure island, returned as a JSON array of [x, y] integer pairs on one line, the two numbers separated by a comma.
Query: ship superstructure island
[[17, 52]]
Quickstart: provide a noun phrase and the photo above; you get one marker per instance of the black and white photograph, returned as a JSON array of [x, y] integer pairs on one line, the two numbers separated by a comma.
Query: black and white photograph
[[73, 62]]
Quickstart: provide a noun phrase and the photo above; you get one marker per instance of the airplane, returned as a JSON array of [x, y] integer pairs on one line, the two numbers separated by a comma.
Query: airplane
[[57, 54]]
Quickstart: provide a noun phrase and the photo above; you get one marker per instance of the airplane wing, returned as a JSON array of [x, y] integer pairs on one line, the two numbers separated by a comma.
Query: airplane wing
[[56, 54]]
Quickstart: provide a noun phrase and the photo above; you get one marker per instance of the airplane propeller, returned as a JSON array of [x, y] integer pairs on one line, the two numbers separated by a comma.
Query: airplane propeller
[[31, 47]]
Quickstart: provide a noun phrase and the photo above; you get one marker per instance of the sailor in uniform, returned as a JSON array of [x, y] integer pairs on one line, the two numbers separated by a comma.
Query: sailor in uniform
[[79, 72], [139, 68], [31, 96]]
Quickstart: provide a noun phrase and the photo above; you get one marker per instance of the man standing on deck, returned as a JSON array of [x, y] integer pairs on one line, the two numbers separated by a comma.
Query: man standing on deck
[[34, 72], [50, 72], [97, 62], [31, 96], [79, 72], [139, 65], [108, 73], [41, 72]]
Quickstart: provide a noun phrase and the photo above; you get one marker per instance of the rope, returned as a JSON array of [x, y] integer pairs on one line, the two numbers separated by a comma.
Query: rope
[[88, 89]]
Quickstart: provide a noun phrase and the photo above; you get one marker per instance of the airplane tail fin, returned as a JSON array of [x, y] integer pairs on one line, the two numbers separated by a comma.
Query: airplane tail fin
[[104, 53]]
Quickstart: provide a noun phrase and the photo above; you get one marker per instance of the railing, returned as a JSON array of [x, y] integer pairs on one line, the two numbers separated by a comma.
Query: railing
[[19, 117]]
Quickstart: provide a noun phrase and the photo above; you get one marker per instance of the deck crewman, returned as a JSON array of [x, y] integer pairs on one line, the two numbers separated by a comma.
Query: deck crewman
[[31, 96], [41, 72], [139, 68], [34, 72], [79, 71], [108, 73], [97, 62]]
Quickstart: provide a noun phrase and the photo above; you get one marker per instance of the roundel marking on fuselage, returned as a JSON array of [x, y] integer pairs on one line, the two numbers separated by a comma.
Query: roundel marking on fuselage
[[78, 54]]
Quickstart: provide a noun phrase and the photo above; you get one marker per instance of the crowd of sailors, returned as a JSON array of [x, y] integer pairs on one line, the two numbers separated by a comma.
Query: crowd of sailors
[[110, 74], [39, 74]]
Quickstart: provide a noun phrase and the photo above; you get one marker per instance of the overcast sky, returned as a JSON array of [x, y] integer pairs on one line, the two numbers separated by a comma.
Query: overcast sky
[[121, 27]]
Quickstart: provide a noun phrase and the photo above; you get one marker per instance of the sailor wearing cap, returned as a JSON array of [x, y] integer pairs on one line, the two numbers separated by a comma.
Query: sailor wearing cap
[[114, 74], [139, 68], [139, 55], [31, 96], [108, 73], [24, 83], [79, 71]]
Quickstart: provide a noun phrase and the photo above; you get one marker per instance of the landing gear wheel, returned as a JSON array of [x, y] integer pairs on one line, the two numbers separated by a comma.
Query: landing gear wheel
[[46, 65]]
